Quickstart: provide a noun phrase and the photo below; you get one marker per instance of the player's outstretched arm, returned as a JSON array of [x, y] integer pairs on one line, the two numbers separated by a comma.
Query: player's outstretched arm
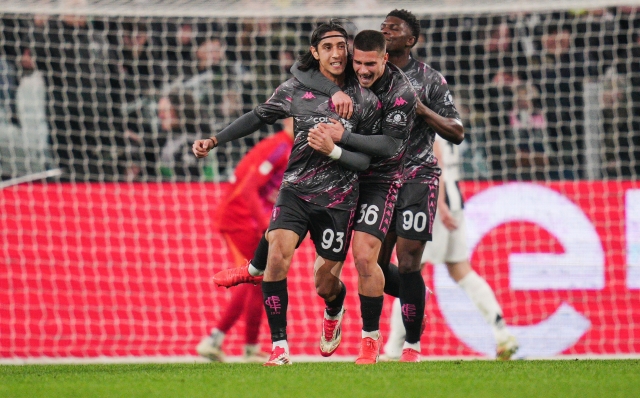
[[317, 81], [241, 127], [449, 128], [321, 141]]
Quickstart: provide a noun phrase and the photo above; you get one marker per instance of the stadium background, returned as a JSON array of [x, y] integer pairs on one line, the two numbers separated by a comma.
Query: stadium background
[[113, 256]]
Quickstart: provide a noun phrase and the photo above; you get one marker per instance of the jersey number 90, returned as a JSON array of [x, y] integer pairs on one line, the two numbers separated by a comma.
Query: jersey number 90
[[417, 222]]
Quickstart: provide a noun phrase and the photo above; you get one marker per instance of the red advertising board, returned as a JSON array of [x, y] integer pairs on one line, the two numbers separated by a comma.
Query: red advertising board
[[91, 270]]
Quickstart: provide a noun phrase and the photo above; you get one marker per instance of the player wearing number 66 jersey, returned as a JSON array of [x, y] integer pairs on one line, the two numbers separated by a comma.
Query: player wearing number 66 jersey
[[319, 190]]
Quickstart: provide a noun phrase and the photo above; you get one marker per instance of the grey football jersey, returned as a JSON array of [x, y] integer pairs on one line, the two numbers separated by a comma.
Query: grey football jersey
[[314, 177], [398, 101], [419, 162]]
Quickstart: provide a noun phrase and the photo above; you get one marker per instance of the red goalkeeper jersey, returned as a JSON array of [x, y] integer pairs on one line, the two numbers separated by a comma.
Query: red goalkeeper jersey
[[255, 186]]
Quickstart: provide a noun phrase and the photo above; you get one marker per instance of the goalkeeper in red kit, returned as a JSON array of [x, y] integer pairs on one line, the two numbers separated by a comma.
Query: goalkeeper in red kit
[[243, 217]]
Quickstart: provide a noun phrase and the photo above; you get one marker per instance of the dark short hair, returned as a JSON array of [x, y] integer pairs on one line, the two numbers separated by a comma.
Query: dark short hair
[[409, 19], [307, 61], [370, 40]]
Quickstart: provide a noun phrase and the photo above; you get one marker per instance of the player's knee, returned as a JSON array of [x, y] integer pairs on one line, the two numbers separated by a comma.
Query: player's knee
[[458, 270], [408, 264], [277, 259], [363, 265]]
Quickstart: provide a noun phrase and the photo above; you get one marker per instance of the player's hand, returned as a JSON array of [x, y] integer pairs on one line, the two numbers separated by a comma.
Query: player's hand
[[447, 218], [343, 104], [335, 129], [201, 148], [320, 140]]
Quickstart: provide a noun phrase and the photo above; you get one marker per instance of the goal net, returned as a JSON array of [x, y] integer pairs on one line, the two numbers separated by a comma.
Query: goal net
[[106, 247]]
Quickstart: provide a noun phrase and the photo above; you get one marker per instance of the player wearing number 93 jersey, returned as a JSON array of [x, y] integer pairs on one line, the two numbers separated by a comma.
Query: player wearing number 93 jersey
[[319, 189]]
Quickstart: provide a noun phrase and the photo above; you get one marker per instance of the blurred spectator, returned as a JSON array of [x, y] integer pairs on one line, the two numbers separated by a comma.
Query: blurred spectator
[[214, 81], [230, 154], [529, 127], [134, 73], [23, 124], [181, 122], [595, 35], [12, 47], [286, 59], [621, 129], [252, 40], [279, 67], [176, 43], [68, 52], [134, 79], [558, 72]]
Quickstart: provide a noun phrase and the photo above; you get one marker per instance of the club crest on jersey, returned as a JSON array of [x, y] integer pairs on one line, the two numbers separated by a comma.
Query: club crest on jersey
[[308, 96], [448, 98], [398, 118]]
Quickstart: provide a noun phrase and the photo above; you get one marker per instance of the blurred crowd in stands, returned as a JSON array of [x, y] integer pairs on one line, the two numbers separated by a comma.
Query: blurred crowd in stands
[[543, 96]]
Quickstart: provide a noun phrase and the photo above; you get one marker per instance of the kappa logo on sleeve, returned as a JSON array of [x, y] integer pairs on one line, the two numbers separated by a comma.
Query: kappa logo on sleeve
[[399, 118]]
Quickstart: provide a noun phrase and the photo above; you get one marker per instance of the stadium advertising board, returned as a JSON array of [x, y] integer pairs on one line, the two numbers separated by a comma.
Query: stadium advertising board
[[91, 270]]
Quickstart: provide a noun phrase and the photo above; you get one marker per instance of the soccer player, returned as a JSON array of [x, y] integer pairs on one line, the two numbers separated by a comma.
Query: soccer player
[[380, 183], [319, 190], [243, 217], [415, 209], [449, 246]]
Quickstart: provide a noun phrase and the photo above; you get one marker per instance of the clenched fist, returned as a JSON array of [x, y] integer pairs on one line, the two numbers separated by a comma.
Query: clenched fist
[[201, 148]]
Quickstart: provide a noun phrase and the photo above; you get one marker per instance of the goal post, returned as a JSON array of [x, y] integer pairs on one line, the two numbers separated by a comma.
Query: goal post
[[106, 249]]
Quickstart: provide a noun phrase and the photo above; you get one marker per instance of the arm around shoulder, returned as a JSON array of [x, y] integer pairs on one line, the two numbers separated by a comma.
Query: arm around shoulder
[[451, 129]]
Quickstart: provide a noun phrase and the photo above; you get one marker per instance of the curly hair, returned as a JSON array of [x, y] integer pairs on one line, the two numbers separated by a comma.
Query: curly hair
[[409, 19]]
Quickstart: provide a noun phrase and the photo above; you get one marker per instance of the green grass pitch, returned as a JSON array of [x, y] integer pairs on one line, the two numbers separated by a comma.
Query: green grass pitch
[[584, 378]]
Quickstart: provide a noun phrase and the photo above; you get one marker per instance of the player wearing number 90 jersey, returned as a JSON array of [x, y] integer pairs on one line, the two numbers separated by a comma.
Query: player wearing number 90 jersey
[[417, 199]]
